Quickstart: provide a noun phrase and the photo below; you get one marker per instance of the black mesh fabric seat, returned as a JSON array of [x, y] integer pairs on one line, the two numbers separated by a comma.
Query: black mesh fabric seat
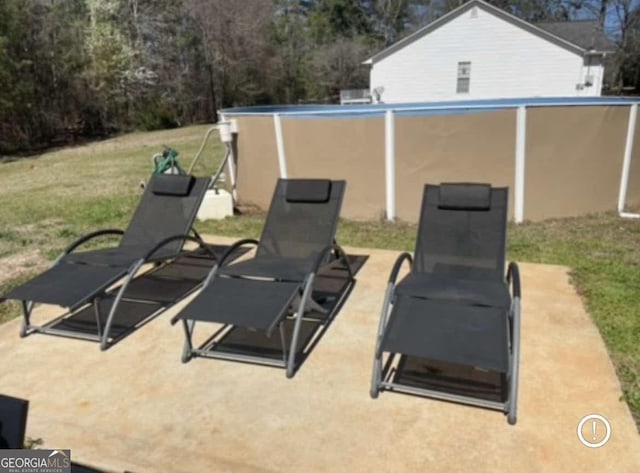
[[452, 332], [234, 302], [69, 285], [257, 294], [436, 287], [156, 234], [120, 256], [455, 304]]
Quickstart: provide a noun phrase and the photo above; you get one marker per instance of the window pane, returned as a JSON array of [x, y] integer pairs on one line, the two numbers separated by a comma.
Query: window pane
[[464, 77], [463, 85], [464, 69]]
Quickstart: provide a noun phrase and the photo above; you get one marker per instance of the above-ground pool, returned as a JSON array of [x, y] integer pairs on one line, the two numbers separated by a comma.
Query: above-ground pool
[[559, 157]]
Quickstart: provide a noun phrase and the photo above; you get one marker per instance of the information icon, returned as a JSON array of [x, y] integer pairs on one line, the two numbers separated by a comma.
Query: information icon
[[594, 431]]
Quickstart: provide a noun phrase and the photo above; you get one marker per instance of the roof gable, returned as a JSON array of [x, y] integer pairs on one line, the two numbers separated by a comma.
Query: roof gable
[[547, 34]]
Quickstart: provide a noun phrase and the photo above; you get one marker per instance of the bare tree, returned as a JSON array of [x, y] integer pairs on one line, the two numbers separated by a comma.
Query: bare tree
[[338, 66], [390, 18], [627, 19], [235, 43]]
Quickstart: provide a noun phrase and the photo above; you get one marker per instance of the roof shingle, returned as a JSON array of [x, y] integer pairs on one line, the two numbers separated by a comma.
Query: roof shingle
[[586, 34]]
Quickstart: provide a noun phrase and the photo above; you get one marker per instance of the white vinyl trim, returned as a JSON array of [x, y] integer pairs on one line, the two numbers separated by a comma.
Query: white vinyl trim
[[282, 159], [521, 142], [231, 164], [390, 164], [626, 163]]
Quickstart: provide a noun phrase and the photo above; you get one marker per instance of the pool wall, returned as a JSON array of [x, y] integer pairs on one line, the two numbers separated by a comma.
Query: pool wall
[[466, 147], [559, 158], [341, 149], [574, 161], [256, 160]]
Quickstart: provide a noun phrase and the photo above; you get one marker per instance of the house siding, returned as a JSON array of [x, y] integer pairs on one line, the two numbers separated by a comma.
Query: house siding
[[506, 61]]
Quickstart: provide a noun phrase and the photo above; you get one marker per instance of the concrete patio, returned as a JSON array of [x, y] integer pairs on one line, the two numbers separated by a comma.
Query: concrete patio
[[136, 407]]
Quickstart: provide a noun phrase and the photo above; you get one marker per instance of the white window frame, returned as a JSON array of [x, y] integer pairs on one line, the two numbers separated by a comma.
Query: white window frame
[[463, 77]]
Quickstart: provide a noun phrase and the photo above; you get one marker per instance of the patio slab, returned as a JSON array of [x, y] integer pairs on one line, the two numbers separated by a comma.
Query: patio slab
[[136, 407]]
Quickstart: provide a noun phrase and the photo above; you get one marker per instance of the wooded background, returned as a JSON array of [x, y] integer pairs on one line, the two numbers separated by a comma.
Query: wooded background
[[77, 69]]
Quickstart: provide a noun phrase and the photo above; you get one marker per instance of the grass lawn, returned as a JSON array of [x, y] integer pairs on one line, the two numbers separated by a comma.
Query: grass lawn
[[47, 201]]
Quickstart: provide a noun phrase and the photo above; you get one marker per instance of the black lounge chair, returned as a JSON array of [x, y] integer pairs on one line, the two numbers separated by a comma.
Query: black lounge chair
[[259, 294], [454, 306], [156, 234], [13, 422]]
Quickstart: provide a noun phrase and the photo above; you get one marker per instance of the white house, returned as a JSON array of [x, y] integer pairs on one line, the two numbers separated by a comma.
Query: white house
[[478, 51]]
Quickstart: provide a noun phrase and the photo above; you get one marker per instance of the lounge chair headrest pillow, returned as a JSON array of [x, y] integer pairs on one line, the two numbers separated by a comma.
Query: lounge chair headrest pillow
[[464, 196], [308, 190], [171, 184]]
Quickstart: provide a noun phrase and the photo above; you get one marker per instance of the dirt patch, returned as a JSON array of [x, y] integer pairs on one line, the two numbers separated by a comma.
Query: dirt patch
[[20, 264], [248, 209], [50, 224]]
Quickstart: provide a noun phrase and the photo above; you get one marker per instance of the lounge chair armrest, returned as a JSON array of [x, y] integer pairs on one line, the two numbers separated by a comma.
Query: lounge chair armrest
[[398, 264], [214, 271], [235, 246], [513, 279], [185, 238], [90, 236], [338, 251]]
